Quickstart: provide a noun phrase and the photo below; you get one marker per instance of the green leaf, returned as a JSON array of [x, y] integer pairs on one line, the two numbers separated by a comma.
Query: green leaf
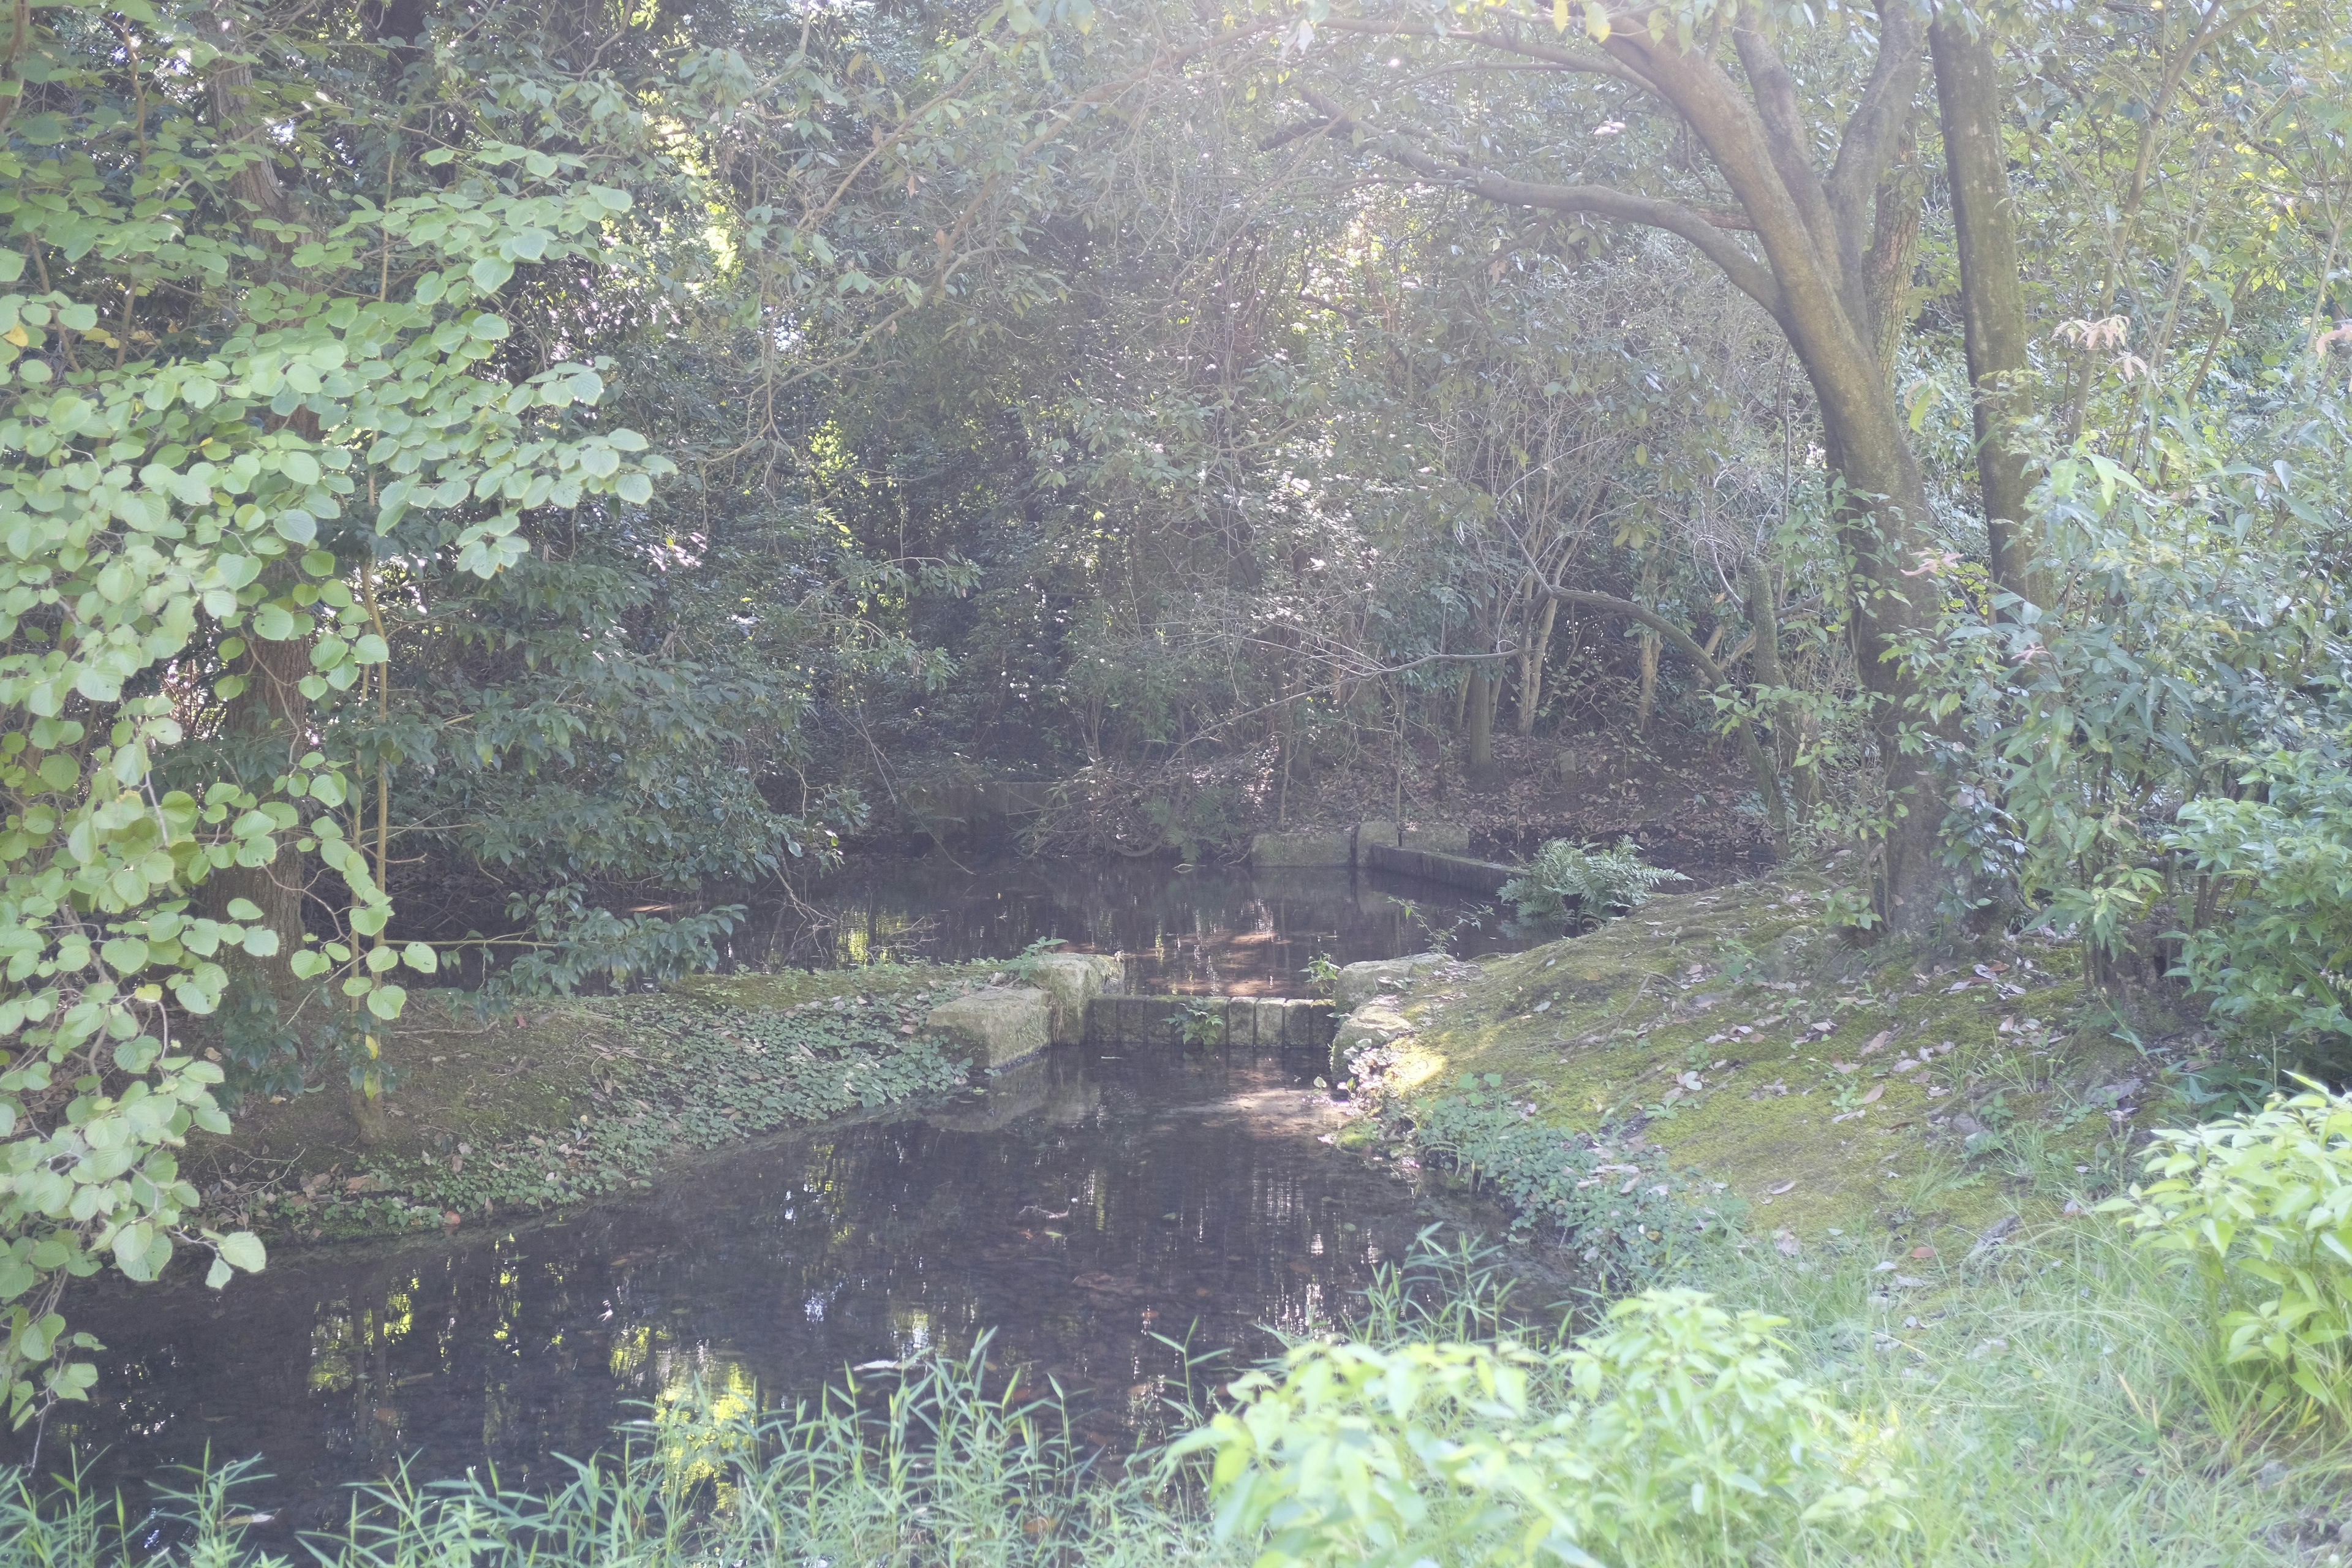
[[274, 622], [385, 1000], [243, 1249], [490, 273]]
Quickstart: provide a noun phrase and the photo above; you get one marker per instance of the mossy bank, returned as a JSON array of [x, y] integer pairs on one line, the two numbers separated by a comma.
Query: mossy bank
[[1729, 1060], [530, 1108]]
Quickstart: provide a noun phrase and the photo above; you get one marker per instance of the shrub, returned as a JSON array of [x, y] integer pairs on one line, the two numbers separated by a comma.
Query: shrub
[[1674, 1431], [1580, 885], [2274, 961], [2261, 1204]]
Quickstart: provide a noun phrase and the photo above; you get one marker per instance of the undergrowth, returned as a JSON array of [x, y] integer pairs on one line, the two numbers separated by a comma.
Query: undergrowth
[[697, 1074]]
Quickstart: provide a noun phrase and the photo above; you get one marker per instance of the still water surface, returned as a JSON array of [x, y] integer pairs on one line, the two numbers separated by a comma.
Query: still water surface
[[1081, 1205], [1216, 929]]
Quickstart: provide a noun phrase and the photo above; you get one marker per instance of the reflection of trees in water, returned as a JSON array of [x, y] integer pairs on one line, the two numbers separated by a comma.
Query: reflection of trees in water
[[1036, 1207], [1214, 929]]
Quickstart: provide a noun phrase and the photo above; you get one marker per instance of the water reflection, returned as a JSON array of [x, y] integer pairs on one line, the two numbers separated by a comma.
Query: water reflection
[[1225, 929], [1081, 1204]]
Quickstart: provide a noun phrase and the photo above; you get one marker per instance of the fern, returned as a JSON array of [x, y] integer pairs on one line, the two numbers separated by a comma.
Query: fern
[[1581, 885]]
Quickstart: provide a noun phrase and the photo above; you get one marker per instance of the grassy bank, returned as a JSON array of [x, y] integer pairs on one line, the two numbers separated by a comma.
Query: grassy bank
[[560, 1102], [1898, 1151], [1732, 1046]]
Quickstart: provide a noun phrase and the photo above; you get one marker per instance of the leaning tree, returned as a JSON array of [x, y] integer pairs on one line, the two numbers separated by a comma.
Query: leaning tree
[[1764, 139]]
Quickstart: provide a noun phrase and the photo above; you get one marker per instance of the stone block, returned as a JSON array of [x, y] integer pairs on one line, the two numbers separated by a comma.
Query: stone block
[[1135, 1021], [992, 1028], [1438, 837], [1371, 833], [1373, 1024], [1316, 847], [1362, 983], [1306, 1024], [1071, 980]]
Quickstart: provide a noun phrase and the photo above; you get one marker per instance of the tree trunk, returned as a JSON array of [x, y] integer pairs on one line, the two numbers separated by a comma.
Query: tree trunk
[[270, 716], [1531, 666], [1478, 723], [1992, 294]]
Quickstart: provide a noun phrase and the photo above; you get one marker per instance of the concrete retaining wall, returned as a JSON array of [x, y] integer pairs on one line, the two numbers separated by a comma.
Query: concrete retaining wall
[[1256, 1023], [1484, 877]]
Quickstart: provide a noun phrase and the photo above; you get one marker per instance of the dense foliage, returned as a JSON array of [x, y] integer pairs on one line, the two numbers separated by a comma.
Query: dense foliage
[[484, 485]]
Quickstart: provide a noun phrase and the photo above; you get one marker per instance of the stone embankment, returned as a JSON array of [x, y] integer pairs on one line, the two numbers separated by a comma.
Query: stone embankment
[[1348, 846], [1435, 852], [1068, 997]]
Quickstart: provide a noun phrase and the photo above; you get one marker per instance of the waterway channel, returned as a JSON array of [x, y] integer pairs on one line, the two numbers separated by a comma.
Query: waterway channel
[[1086, 1208]]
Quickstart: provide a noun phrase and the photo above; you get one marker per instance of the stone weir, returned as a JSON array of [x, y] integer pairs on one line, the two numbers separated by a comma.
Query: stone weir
[[1068, 997], [1259, 1022], [1456, 871]]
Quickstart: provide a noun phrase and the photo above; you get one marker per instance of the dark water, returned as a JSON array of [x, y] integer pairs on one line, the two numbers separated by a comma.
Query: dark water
[[1216, 929], [1080, 1206]]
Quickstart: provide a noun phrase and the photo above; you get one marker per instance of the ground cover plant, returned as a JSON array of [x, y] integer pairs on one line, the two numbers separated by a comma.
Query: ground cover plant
[[595, 1097]]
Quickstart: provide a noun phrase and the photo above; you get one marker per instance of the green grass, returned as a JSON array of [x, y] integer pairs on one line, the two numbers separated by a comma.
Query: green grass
[[2063, 1401]]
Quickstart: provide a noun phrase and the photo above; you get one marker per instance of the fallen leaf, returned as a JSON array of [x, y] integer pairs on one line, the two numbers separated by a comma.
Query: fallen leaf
[[1784, 1187], [1878, 1041], [1872, 1096]]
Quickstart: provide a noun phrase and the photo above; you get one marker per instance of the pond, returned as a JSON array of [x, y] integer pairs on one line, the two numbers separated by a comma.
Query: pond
[[1088, 1208], [1085, 1207], [1212, 928]]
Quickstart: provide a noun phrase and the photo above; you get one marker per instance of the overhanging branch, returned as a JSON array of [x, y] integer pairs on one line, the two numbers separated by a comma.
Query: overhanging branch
[[1708, 235], [1557, 59]]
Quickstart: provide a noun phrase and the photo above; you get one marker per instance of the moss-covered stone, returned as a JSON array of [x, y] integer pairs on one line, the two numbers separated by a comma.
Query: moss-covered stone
[[994, 1026], [1361, 983], [1311, 847], [1070, 981]]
